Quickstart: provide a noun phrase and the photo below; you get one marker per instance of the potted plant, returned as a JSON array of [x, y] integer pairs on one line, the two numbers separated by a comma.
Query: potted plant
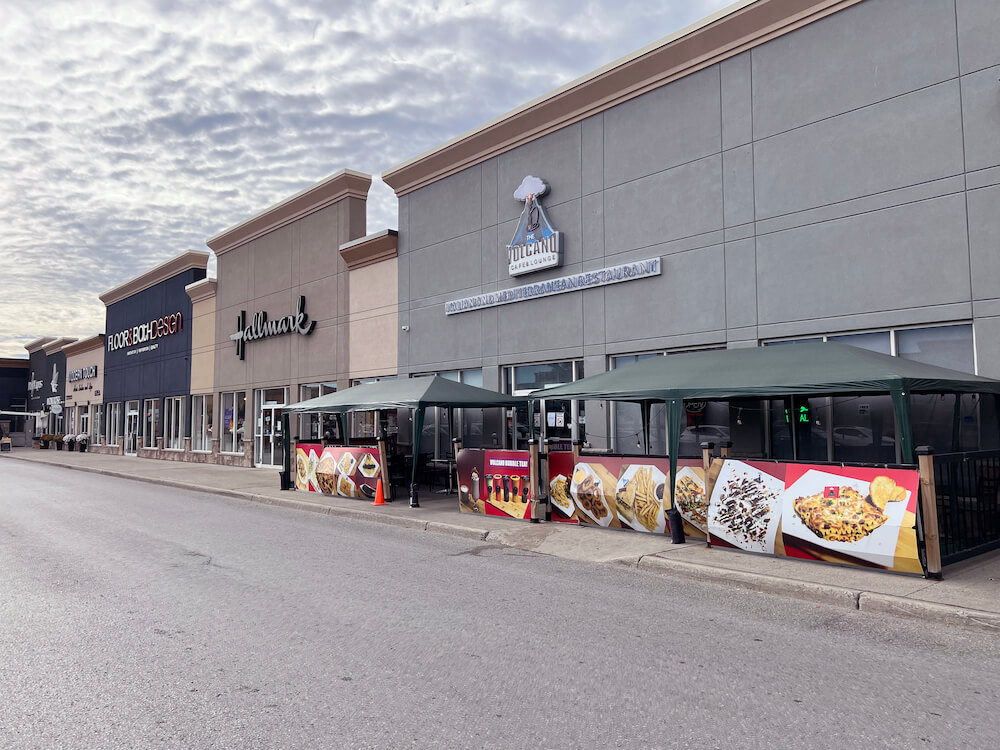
[[69, 441], [58, 440], [81, 442], [44, 440]]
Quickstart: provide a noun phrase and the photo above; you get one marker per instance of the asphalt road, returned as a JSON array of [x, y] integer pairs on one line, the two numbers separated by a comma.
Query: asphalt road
[[136, 616]]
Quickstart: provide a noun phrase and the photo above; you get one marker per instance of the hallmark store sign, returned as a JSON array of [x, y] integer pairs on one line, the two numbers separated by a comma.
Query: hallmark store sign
[[611, 275], [140, 334], [260, 327]]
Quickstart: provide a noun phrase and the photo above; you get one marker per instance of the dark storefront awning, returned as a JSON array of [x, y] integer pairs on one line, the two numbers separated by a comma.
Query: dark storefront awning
[[405, 393]]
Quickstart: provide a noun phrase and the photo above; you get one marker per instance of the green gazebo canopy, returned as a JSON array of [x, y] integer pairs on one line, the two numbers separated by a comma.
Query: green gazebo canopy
[[809, 368], [806, 368], [405, 393]]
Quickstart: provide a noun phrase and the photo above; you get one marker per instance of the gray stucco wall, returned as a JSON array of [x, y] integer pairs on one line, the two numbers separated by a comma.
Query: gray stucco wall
[[843, 177]]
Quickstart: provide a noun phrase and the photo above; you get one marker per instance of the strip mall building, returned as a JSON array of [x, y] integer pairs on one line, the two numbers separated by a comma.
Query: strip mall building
[[785, 170]]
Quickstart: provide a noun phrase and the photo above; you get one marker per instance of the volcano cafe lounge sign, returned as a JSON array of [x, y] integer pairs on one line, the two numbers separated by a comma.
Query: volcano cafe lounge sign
[[535, 245], [261, 327]]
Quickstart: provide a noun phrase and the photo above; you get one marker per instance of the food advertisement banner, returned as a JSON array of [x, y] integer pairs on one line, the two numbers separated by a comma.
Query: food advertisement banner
[[342, 471], [853, 515], [494, 483], [625, 492]]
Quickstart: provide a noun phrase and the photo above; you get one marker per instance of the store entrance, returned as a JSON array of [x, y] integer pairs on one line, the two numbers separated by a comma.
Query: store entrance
[[268, 404], [131, 428]]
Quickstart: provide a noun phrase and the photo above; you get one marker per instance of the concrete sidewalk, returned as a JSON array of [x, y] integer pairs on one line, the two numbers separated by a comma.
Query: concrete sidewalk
[[968, 596]]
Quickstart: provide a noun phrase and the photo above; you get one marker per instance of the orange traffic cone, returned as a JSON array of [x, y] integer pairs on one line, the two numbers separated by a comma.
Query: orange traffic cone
[[379, 496]]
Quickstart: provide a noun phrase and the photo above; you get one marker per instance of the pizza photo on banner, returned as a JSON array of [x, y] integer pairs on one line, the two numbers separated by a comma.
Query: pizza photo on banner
[[341, 471], [494, 482], [851, 515]]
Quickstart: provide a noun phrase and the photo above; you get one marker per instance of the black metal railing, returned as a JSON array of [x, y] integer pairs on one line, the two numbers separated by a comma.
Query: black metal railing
[[968, 503]]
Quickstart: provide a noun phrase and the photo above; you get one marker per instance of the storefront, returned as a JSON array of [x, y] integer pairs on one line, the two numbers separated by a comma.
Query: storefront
[[147, 360], [14, 400], [304, 304], [85, 389], [749, 181], [47, 383]]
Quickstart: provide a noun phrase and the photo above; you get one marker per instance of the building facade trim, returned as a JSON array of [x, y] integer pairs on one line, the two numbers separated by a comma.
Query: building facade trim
[[199, 291], [346, 183], [370, 249], [56, 344], [85, 345], [725, 34], [166, 270]]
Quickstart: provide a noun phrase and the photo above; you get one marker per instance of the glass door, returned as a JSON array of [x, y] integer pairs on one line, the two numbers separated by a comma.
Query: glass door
[[131, 428], [268, 448]]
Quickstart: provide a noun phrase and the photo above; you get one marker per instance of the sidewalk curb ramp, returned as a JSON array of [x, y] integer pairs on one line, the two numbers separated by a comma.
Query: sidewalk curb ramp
[[865, 601]]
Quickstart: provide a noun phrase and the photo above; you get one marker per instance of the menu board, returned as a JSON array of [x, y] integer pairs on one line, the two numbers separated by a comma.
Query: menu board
[[494, 483], [854, 515], [342, 471]]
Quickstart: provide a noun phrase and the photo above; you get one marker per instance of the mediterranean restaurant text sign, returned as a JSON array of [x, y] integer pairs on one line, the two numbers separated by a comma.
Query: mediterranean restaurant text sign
[[535, 245], [611, 275], [261, 327]]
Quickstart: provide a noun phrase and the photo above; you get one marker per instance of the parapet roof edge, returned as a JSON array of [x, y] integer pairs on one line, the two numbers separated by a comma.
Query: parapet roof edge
[[741, 26], [347, 183], [169, 268]]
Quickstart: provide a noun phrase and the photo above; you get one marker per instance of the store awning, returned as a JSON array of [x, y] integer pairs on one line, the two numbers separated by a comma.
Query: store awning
[[405, 393], [771, 371]]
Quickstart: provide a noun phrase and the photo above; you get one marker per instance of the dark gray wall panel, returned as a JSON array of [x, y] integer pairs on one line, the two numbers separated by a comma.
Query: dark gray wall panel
[[913, 255], [910, 139], [446, 267], [447, 209], [737, 106], [666, 127], [688, 297], [865, 54], [978, 32], [981, 117], [984, 241], [679, 202]]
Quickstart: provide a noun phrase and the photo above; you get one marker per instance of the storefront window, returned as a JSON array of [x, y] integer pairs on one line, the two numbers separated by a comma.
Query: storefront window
[[473, 420], [935, 420], [173, 422], [84, 425], [233, 416], [627, 417], [312, 427], [95, 424], [112, 423], [150, 422], [201, 422], [70, 415], [557, 419]]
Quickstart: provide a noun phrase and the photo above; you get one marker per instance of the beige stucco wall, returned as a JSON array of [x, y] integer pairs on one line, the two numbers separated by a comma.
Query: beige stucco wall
[[203, 346], [89, 390], [269, 273], [373, 329]]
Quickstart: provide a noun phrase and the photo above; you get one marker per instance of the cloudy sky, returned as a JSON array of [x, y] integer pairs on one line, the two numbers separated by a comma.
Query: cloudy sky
[[130, 131]]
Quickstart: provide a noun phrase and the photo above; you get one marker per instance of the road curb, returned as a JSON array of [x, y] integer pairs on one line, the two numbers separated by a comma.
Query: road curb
[[463, 532], [814, 592], [944, 614]]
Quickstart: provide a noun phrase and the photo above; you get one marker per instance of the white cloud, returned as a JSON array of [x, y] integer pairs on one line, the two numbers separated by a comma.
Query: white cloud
[[530, 185], [130, 131]]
